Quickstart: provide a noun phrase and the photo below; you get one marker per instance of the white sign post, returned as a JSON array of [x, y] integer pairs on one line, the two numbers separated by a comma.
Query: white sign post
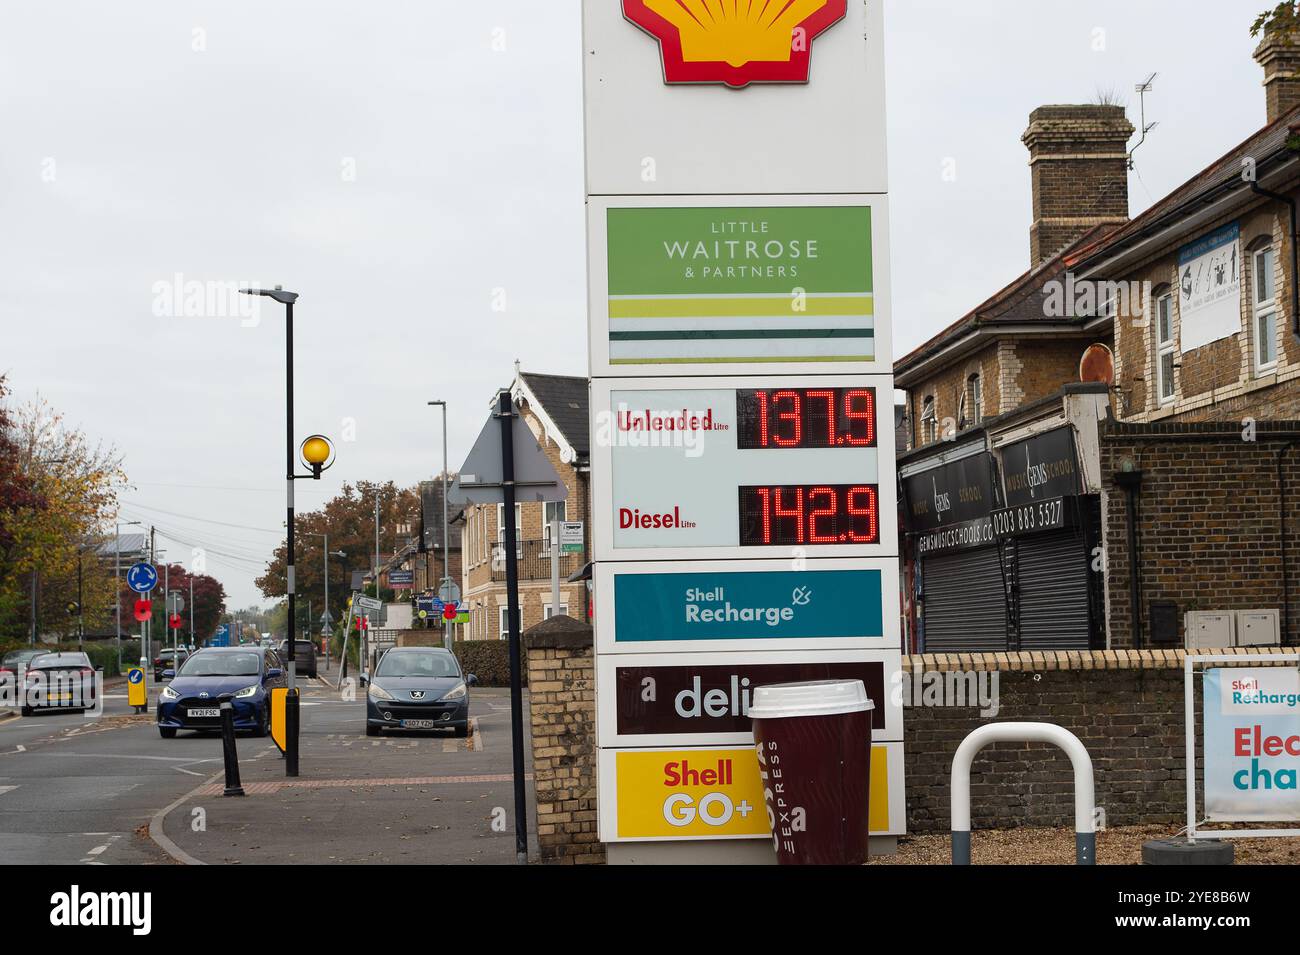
[[742, 447]]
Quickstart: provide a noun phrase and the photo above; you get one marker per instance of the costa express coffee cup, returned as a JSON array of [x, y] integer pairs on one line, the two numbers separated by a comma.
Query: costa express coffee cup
[[814, 757]]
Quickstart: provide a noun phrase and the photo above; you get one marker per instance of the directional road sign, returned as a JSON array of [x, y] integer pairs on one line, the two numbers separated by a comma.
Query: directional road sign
[[142, 577]]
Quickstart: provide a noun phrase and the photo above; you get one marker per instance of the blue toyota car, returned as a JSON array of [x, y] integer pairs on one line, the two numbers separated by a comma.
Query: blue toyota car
[[192, 700]]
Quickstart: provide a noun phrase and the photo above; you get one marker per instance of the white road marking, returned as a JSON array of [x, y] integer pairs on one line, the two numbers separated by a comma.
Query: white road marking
[[91, 856], [7, 789], [164, 759]]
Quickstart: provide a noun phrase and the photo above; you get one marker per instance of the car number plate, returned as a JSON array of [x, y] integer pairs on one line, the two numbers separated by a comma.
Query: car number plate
[[418, 724], [203, 711]]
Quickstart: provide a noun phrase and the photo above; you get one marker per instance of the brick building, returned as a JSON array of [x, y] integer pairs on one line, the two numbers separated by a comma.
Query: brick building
[[555, 408], [1105, 445]]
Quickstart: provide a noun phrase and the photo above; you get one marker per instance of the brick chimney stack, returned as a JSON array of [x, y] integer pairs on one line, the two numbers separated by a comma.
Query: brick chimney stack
[[1279, 55], [1078, 160]]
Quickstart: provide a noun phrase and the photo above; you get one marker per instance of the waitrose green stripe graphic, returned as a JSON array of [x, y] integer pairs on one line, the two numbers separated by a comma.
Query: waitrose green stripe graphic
[[703, 333], [722, 306], [755, 605], [794, 282]]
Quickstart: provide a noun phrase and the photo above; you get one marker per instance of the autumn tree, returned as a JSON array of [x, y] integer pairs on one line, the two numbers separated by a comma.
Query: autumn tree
[[19, 498], [62, 497], [349, 519], [209, 604]]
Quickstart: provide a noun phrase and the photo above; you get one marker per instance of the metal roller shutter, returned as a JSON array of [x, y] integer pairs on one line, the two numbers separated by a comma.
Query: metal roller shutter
[[1053, 573], [965, 609]]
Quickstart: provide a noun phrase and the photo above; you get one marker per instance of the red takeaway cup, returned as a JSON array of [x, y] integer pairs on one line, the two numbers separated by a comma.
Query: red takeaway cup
[[813, 742]]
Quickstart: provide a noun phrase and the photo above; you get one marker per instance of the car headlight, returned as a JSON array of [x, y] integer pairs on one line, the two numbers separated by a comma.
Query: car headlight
[[169, 694], [247, 691], [457, 692], [378, 692]]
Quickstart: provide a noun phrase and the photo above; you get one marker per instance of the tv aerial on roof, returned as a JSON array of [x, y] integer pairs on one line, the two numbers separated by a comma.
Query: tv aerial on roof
[[1143, 89]]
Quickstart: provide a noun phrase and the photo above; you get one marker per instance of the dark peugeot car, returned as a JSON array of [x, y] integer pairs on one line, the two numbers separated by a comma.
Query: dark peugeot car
[[59, 681], [418, 688], [304, 656], [168, 659], [192, 701]]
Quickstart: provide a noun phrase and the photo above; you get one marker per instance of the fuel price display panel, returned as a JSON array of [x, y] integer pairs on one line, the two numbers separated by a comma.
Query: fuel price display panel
[[702, 466]]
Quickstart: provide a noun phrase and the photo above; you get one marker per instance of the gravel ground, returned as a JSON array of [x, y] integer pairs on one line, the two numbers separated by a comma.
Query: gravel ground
[[1118, 846]]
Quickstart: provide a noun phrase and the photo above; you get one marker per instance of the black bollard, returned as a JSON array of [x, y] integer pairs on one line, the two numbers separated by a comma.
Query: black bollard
[[291, 733], [233, 788]]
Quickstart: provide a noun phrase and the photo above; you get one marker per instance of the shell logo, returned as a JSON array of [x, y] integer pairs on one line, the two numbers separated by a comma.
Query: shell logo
[[736, 42]]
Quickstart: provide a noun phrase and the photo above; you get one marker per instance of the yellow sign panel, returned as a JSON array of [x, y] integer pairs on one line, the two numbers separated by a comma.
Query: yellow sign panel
[[136, 692], [279, 729], [710, 793], [693, 792]]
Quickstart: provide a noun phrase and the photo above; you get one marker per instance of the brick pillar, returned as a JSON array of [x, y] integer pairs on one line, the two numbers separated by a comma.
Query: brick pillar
[[1279, 55], [562, 701], [1078, 161]]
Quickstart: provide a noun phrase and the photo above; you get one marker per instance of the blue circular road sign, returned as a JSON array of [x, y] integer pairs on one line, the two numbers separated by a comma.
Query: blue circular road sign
[[142, 577], [135, 675]]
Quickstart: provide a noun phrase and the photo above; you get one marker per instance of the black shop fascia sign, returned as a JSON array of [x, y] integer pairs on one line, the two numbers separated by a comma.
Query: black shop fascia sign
[[948, 507], [1040, 468]]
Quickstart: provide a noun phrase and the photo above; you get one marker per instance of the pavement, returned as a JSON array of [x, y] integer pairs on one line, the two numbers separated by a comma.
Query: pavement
[[110, 790]]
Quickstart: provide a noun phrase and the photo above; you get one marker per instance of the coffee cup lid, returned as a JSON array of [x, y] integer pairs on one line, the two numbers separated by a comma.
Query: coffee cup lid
[[811, 698]]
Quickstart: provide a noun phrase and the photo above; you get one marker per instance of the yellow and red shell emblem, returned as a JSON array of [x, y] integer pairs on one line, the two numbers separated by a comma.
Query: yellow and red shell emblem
[[736, 42]]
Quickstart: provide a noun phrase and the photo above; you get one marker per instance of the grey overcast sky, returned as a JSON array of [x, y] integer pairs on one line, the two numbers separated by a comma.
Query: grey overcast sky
[[407, 166]]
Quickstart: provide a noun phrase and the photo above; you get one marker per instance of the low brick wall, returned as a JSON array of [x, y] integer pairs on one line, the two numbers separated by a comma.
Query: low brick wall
[[562, 702], [1126, 706]]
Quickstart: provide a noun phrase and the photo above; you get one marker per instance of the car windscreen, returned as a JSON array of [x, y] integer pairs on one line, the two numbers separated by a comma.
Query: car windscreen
[[222, 664], [418, 664], [48, 660]]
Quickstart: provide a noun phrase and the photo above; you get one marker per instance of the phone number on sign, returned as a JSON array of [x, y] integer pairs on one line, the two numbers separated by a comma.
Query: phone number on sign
[[1028, 517]]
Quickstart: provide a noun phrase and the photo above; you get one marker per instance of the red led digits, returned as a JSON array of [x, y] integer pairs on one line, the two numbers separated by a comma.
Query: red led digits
[[830, 510], [798, 514], [829, 397], [863, 504], [865, 399], [794, 416], [806, 418]]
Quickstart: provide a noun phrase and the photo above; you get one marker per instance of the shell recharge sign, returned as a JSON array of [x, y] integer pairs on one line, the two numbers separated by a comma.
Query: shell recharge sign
[[1252, 744], [736, 42]]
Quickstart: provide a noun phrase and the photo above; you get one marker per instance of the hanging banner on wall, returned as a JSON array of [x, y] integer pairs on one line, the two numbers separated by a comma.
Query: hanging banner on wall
[[1252, 744], [1209, 288]]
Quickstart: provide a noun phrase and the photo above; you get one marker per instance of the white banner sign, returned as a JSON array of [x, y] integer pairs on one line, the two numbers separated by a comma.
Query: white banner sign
[[1209, 288]]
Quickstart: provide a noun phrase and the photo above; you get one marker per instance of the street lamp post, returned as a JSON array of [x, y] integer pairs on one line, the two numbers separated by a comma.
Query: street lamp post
[[317, 452], [446, 566]]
